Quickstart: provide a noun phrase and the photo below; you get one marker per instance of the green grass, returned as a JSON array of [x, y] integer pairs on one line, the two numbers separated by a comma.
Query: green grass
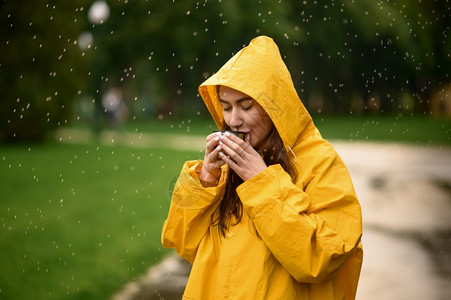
[[386, 128], [79, 221]]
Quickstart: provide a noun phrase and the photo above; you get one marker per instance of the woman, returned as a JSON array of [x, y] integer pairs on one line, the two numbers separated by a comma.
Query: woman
[[274, 216]]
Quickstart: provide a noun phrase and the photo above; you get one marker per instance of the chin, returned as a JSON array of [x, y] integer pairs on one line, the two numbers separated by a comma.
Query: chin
[[255, 144]]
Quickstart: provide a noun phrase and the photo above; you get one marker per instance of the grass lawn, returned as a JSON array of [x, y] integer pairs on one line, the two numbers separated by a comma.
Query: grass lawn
[[389, 128], [79, 221]]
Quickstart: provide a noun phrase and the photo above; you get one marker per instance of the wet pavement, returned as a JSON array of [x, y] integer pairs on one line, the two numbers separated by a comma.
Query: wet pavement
[[405, 193]]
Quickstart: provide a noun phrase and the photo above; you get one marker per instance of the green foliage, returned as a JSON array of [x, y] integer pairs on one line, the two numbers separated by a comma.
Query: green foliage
[[342, 55], [40, 66]]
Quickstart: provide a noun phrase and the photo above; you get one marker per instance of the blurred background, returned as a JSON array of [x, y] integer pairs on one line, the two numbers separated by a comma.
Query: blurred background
[[99, 108], [59, 59]]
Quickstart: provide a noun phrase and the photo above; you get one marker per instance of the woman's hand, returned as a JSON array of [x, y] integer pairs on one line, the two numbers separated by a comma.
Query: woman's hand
[[240, 156], [211, 168]]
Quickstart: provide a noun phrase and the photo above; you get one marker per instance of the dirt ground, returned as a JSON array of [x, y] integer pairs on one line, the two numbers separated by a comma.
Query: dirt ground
[[405, 193]]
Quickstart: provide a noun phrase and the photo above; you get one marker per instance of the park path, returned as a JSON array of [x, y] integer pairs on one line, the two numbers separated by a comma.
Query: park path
[[405, 193], [132, 139]]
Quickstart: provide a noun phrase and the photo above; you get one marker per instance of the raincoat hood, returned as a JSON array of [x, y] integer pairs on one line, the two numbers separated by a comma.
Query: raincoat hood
[[296, 240], [259, 71]]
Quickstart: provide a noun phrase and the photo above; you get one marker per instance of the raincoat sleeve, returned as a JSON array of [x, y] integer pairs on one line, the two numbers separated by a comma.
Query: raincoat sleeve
[[190, 211], [310, 228]]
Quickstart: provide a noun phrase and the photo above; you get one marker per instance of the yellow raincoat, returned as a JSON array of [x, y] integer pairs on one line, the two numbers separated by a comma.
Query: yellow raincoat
[[308, 243]]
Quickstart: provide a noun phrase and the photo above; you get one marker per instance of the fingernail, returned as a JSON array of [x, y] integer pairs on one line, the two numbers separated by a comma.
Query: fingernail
[[221, 154], [221, 143], [227, 133], [218, 148], [217, 138]]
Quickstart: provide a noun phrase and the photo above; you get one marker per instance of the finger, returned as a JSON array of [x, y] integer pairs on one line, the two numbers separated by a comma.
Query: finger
[[213, 135], [220, 162], [214, 154], [239, 142], [212, 142], [232, 153], [231, 145], [230, 162], [247, 139]]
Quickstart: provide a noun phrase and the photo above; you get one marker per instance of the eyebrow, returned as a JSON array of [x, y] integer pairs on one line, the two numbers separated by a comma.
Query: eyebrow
[[238, 101]]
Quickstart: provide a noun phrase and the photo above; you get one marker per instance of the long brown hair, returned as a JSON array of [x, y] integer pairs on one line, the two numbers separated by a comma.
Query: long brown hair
[[273, 152]]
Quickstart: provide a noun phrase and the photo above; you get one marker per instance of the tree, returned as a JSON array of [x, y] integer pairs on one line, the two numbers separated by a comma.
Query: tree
[[157, 52], [40, 64]]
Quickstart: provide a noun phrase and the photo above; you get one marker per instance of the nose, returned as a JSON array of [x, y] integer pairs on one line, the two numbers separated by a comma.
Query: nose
[[235, 120]]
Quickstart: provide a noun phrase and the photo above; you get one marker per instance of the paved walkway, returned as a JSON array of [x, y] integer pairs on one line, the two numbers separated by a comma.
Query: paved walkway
[[405, 192]]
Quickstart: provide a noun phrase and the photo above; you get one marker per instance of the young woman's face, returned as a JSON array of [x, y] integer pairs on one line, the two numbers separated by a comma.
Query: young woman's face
[[242, 113]]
